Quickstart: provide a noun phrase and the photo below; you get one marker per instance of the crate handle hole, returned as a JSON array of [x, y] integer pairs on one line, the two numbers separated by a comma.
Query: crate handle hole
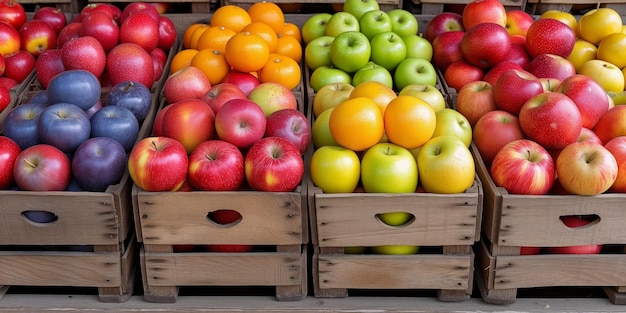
[[224, 217], [396, 219], [39, 217], [579, 221]]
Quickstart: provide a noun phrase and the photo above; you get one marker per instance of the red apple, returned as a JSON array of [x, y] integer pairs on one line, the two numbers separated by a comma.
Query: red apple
[[5, 98], [9, 150], [518, 55], [42, 167], [167, 33], [19, 65], [587, 134], [142, 29], [518, 22], [486, 44], [513, 88], [103, 27], [7, 83], [37, 36], [549, 83], [12, 13], [551, 119], [273, 96], [139, 7], [292, 125], [588, 95], [571, 221], [186, 83], [274, 164], [9, 39], [220, 94], [551, 66], [586, 168], [494, 73], [459, 73], [67, 33], [245, 81], [159, 58], [617, 147], [216, 165], [53, 16], [240, 122], [158, 164], [474, 100], [447, 49], [441, 23], [229, 248], [128, 61], [190, 121], [157, 125], [48, 64], [611, 124], [523, 167], [484, 11], [547, 35], [494, 130], [84, 53]]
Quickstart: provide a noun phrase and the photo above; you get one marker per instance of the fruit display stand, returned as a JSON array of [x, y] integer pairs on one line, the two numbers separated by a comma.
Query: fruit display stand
[[67, 6], [385, 5], [16, 95], [430, 7], [447, 225], [195, 6], [511, 221], [540, 6]]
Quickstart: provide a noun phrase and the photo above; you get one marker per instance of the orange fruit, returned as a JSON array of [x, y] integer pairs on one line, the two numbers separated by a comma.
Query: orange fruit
[[264, 31], [215, 38], [380, 93], [188, 32], [212, 63], [195, 35], [290, 29], [182, 59], [290, 47], [247, 52], [281, 69], [356, 123], [231, 16], [409, 121], [267, 12]]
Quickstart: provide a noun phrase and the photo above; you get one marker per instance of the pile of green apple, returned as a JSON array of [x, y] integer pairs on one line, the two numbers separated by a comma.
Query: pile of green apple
[[364, 43]]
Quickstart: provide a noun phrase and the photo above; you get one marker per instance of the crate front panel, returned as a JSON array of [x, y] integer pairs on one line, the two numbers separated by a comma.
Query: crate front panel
[[450, 272], [345, 220], [76, 269], [228, 269], [83, 218], [268, 218]]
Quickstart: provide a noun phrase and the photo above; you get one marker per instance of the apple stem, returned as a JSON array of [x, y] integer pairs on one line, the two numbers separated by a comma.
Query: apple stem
[[31, 164], [129, 85]]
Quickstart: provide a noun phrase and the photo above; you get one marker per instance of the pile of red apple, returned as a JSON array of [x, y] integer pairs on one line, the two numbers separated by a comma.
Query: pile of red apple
[[223, 137]]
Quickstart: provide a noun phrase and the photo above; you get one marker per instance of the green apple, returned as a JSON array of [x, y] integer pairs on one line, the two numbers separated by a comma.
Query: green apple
[[389, 168], [426, 92], [325, 75], [441, 158], [403, 22], [341, 22], [315, 26], [359, 7], [320, 131], [330, 96], [395, 249], [452, 122], [335, 169], [395, 218], [388, 50], [414, 71], [374, 22], [350, 51], [418, 47], [372, 72], [317, 52]]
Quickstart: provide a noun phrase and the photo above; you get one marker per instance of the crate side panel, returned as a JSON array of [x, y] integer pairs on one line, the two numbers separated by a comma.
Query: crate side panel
[[452, 272], [229, 269]]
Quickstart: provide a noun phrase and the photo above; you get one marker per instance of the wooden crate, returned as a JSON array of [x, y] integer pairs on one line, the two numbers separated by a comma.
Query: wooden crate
[[512, 221], [431, 7], [190, 7], [385, 5], [68, 6], [575, 7]]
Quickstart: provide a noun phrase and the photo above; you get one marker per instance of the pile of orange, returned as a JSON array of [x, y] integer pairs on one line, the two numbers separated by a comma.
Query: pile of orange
[[257, 40]]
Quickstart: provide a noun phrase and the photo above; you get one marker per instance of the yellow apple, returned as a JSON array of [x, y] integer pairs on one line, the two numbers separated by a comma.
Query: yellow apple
[[609, 76], [335, 169], [562, 16], [330, 96], [395, 249], [320, 131], [395, 218], [443, 157], [582, 52], [613, 49], [596, 24]]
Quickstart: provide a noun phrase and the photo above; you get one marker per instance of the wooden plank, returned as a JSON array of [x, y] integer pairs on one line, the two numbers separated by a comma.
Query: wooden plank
[[451, 272]]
